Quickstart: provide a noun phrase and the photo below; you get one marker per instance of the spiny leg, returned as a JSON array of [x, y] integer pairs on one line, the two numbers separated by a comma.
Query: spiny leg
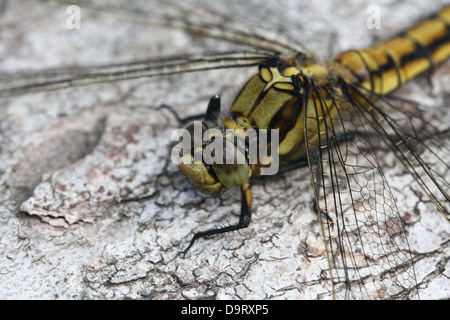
[[301, 163], [318, 173], [189, 119], [244, 218], [212, 112]]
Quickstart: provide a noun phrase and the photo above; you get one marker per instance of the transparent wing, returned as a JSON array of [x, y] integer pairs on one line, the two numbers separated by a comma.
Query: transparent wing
[[63, 77], [421, 146], [197, 18], [367, 248], [205, 22]]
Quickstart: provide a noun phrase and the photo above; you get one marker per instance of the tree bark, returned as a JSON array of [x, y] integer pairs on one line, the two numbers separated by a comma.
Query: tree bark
[[91, 206]]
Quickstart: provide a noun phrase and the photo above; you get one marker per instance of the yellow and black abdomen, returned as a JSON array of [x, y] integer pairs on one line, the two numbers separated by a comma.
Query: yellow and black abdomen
[[384, 68]]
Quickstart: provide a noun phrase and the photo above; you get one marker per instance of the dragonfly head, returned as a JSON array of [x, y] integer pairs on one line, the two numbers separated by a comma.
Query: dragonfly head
[[214, 160]]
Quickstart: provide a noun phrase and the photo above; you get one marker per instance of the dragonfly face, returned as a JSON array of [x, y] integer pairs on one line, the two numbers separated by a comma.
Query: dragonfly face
[[217, 156], [214, 160]]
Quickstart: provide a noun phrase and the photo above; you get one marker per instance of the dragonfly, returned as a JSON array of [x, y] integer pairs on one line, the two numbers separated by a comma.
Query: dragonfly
[[360, 222]]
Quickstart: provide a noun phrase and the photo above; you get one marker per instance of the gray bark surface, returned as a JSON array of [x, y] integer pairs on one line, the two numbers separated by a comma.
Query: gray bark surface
[[91, 206]]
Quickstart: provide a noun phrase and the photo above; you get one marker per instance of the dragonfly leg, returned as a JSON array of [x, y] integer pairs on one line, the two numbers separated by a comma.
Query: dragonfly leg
[[323, 213], [303, 162], [244, 218], [318, 172], [183, 121], [212, 113]]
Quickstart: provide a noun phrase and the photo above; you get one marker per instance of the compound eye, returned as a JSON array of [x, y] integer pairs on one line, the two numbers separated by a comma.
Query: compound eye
[[233, 169]]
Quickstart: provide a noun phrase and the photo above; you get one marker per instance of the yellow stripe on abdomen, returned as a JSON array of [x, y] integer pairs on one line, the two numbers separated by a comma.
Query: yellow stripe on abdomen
[[384, 68]]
